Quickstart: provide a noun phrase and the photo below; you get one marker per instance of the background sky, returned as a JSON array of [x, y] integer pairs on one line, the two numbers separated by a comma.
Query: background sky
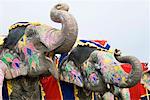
[[124, 23]]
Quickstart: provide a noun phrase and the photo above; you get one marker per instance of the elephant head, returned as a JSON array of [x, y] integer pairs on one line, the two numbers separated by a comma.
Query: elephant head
[[112, 71], [90, 78], [70, 73], [30, 38], [31, 41], [106, 68]]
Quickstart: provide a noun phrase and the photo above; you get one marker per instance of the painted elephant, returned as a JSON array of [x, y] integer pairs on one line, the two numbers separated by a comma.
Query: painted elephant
[[100, 69], [25, 48], [146, 79], [116, 93]]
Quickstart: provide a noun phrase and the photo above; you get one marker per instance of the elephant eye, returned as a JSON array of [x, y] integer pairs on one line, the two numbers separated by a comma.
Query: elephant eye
[[30, 33], [94, 61]]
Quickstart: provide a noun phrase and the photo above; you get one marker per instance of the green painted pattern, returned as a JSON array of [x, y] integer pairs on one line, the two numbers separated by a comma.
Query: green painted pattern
[[7, 55], [68, 67], [34, 58]]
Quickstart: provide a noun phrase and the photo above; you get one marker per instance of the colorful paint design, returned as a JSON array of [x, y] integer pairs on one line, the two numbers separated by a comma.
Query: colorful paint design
[[11, 65], [31, 55], [11, 60], [70, 73], [89, 71], [146, 80], [110, 68]]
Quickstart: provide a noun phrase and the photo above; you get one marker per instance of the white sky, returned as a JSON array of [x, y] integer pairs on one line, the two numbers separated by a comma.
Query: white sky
[[124, 23]]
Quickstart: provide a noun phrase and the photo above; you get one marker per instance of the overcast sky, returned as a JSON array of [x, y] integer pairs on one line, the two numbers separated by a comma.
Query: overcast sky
[[124, 23]]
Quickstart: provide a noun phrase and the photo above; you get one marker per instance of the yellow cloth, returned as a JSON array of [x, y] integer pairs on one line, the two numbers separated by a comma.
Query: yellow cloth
[[1, 40]]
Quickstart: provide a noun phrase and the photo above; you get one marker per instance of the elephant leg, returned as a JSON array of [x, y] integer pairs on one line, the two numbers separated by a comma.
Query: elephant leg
[[32, 88], [82, 95], [16, 93], [25, 88]]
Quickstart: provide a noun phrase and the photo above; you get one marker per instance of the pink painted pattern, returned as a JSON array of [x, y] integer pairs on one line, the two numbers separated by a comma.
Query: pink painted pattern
[[14, 62]]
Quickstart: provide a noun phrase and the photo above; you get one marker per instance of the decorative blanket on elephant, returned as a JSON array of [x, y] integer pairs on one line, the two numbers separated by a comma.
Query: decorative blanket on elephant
[[99, 44]]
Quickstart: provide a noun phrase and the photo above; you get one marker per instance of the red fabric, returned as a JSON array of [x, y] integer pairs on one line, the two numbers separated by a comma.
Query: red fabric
[[102, 42], [51, 88], [144, 66], [137, 91], [127, 67]]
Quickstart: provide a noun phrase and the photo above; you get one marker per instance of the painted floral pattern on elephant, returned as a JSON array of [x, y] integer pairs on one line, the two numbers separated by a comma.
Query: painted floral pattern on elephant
[[146, 80], [89, 71], [11, 61], [70, 73], [110, 68], [31, 55], [15, 65]]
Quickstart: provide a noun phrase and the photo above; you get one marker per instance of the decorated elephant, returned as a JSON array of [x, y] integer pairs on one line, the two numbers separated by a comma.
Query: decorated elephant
[[100, 68], [25, 48], [146, 79]]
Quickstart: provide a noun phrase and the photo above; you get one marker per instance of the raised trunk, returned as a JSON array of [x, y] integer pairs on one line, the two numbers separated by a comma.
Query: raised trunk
[[69, 29], [135, 74]]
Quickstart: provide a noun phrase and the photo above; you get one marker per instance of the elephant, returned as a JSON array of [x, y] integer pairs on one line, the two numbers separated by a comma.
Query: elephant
[[25, 49], [100, 69], [115, 94], [145, 80]]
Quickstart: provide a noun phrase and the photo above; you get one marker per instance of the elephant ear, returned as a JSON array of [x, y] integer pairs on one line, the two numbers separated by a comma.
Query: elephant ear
[[70, 73], [146, 79]]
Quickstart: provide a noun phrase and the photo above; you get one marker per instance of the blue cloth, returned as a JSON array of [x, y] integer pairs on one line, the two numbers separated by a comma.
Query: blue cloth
[[5, 91]]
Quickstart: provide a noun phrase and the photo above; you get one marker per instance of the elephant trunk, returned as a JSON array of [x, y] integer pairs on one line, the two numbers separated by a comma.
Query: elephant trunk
[[69, 30], [136, 72]]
